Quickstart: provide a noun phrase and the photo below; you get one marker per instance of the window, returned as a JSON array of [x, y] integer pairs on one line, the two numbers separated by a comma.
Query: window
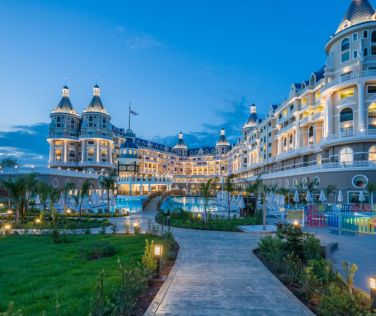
[[317, 95], [365, 34], [372, 116], [319, 159], [310, 135], [316, 182], [355, 37], [355, 54], [371, 89], [304, 101], [365, 52], [373, 42], [346, 156], [346, 115], [372, 154], [346, 94], [345, 49], [360, 181]]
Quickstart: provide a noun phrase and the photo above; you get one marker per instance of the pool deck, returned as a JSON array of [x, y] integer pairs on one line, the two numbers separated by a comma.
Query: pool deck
[[359, 249]]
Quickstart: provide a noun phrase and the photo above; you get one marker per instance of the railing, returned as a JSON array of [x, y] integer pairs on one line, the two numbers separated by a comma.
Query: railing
[[348, 77], [97, 164], [131, 179], [311, 118], [48, 171], [349, 134]]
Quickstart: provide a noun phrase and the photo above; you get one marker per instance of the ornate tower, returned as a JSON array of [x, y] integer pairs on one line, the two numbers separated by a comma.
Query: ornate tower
[[181, 148], [96, 136], [223, 146], [128, 162], [252, 121], [63, 134]]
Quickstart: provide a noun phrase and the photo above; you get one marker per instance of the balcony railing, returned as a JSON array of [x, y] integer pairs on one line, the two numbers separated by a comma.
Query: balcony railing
[[350, 134]]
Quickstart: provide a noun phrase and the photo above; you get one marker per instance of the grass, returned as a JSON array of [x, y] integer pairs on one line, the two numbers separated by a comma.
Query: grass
[[37, 274], [183, 219]]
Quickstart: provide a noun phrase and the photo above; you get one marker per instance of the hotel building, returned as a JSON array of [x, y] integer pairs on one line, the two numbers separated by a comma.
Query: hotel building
[[324, 132]]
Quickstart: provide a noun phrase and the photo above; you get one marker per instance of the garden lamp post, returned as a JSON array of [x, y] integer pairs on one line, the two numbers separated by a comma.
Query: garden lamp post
[[136, 227], [158, 255], [7, 229], [372, 286]]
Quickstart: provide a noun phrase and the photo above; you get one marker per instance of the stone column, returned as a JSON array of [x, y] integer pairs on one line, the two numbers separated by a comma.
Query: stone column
[[110, 152], [97, 142], [130, 189], [328, 130], [361, 110], [83, 150], [52, 149], [65, 151]]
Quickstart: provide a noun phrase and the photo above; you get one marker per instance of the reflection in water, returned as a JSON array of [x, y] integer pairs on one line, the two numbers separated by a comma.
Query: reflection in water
[[131, 204], [190, 204]]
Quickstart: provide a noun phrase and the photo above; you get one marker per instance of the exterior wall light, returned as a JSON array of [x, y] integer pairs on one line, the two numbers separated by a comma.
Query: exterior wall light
[[372, 286]]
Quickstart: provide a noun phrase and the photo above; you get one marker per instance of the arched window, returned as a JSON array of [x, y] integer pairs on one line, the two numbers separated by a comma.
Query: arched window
[[372, 154], [346, 120], [372, 116], [345, 49], [346, 156]]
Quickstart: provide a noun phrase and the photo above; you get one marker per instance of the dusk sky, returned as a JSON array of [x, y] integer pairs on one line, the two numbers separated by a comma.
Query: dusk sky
[[193, 66]]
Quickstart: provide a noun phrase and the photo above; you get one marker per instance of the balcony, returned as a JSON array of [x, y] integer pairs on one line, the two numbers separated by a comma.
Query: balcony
[[287, 128], [311, 119], [349, 136], [97, 164]]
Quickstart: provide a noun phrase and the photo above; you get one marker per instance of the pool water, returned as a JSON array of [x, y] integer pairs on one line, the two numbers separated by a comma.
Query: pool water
[[191, 204], [133, 204]]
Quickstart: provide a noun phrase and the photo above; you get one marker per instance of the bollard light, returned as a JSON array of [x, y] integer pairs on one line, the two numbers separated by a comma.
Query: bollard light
[[9, 212], [7, 226], [158, 250], [69, 211], [37, 221], [296, 223], [372, 287], [135, 225]]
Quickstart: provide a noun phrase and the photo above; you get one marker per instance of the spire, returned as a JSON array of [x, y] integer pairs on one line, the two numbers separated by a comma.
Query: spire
[[180, 144], [65, 105], [253, 108], [222, 141], [359, 11], [96, 104], [252, 120]]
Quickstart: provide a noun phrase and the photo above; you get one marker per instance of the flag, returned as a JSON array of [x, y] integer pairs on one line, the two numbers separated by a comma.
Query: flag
[[133, 112]]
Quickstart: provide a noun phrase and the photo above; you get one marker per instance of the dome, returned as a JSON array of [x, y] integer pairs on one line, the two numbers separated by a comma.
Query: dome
[[360, 11], [96, 104], [65, 105], [129, 142]]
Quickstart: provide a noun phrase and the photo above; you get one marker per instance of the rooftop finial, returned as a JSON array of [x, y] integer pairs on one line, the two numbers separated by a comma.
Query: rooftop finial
[[253, 108], [181, 135], [223, 132], [65, 91], [96, 90]]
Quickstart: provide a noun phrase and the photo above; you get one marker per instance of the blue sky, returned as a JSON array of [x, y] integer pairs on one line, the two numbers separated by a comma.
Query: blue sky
[[193, 66]]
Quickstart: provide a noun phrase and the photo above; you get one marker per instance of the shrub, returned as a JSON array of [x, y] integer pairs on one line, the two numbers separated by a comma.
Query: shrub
[[311, 248], [338, 301], [148, 260], [294, 268], [101, 305], [293, 239], [102, 230], [114, 228], [11, 311], [350, 274], [310, 282], [98, 250], [323, 270], [271, 248], [87, 231], [133, 283], [127, 227]]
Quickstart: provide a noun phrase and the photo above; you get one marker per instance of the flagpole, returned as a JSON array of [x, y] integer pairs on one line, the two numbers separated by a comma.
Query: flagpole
[[129, 116]]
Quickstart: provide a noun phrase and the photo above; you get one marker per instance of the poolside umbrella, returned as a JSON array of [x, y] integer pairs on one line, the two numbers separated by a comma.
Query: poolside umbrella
[[113, 201], [48, 202], [282, 200], [308, 197], [61, 201], [322, 197], [340, 197], [37, 200], [296, 197], [362, 198]]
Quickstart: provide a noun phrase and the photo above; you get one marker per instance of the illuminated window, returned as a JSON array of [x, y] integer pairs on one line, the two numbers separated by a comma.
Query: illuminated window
[[317, 95], [372, 154], [346, 120], [345, 49], [346, 94], [310, 135], [58, 155], [285, 112], [372, 116], [346, 156], [304, 101], [319, 159]]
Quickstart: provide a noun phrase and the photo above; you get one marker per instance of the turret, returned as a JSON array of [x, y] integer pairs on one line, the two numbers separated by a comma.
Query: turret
[[181, 148], [222, 146]]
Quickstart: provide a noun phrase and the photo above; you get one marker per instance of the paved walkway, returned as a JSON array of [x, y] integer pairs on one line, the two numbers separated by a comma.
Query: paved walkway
[[217, 274]]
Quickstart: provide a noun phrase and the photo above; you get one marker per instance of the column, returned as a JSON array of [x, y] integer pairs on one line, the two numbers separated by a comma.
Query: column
[[52, 148], [65, 151], [130, 189], [149, 188], [110, 153], [83, 150], [328, 117], [97, 142], [361, 118]]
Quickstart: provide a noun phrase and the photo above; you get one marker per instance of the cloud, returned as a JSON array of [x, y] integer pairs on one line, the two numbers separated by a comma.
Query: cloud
[[230, 119], [28, 143], [142, 41]]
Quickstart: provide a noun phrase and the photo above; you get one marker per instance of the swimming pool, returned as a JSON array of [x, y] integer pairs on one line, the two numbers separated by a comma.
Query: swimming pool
[[191, 204], [133, 204]]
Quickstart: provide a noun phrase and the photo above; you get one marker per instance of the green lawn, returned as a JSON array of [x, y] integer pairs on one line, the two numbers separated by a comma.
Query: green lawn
[[36, 273]]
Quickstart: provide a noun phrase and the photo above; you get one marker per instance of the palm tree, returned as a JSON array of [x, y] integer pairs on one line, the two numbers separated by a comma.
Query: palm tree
[[7, 186], [329, 190], [229, 188], [8, 162], [31, 183], [66, 189], [16, 193], [205, 192], [255, 186], [84, 192], [54, 195], [108, 182], [43, 190]]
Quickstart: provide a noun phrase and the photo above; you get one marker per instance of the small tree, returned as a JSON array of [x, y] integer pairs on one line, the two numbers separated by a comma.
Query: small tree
[[229, 188], [205, 192], [108, 182], [371, 189]]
